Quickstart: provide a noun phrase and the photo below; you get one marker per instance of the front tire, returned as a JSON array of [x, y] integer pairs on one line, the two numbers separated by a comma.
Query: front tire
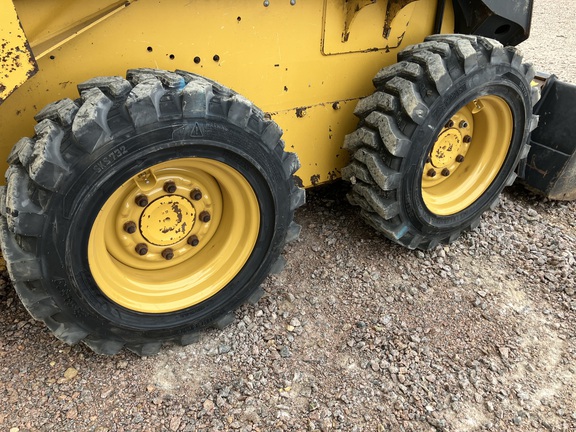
[[440, 138], [148, 210]]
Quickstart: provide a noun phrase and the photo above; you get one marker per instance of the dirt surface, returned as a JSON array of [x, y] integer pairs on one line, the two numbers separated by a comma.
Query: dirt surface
[[355, 334]]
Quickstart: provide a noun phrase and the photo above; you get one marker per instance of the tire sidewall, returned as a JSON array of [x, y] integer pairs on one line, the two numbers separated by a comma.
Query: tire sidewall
[[93, 181], [501, 81]]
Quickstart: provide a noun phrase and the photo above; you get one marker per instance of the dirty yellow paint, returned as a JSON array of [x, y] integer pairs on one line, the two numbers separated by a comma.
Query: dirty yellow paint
[[73, 18], [325, 124], [373, 25], [282, 57], [18, 64]]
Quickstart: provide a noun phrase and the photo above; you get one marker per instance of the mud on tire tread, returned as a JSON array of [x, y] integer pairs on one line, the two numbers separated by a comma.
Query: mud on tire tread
[[68, 132], [406, 95]]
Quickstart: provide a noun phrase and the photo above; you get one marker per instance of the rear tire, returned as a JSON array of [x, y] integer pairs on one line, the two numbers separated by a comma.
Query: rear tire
[[440, 138], [147, 210]]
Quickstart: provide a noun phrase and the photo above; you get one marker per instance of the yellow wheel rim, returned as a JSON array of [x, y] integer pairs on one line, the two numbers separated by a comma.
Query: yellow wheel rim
[[467, 155], [174, 235]]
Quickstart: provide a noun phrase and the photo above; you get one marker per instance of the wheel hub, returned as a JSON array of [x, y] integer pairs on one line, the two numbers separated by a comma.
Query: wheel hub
[[450, 149], [167, 220], [447, 149], [164, 218]]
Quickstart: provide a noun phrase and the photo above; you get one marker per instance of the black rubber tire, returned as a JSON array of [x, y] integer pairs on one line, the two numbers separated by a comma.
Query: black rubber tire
[[401, 121], [84, 150]]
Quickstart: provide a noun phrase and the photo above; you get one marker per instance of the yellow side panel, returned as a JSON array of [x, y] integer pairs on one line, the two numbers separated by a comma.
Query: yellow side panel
[[272, 55], [15, 56]]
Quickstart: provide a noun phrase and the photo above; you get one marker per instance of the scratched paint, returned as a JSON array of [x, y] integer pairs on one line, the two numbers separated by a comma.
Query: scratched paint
[[18, 63]]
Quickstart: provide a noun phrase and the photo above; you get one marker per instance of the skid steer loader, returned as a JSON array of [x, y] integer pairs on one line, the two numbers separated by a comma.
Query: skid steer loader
[[147, 205]]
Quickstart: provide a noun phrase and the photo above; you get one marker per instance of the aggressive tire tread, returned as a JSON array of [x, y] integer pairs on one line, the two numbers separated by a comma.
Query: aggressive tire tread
[[112, 106], [404, 95]]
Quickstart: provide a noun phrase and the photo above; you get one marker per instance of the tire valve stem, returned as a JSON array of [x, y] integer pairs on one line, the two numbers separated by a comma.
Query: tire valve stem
[[459, 158], [170, 187], [431, 173], [168, 254], [141, 249], [141, 200], [205, 217], [445, 172], [193, 241], [196, 194], [130, 227]]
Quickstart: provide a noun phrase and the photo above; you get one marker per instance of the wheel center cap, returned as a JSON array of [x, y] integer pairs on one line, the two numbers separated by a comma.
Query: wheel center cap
[[167, 220], [446, 149]]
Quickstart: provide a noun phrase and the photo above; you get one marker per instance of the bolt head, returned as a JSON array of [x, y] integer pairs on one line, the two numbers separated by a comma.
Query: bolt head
[[130, 227], [193, 241], [141, 249], [449, 124], [141, 200], [464, 124], [467, 139], [196, 194], [170, 187], [445, 172], [168, 254], [205, 217], [459, 158], [431, 173]]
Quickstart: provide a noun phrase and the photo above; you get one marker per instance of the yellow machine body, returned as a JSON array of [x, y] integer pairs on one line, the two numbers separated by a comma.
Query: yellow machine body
[[305, 63]]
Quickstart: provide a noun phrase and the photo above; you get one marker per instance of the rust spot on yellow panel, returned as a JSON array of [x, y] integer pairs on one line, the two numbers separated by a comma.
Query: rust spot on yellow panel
[[16, 58]]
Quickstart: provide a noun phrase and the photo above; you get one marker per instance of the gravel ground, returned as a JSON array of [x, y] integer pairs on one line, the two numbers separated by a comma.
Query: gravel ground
[[355, 334]]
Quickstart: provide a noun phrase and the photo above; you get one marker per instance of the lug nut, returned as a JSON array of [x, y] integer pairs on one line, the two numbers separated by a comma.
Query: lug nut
[[450, 124], [130, 227], [459, 158], [193, 241], [141, 249], [431, 173], [463, 124], [445, 172], [170, 187], [196, 194], [141, 200], [205, 217], [467, 139], [168, 254]]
